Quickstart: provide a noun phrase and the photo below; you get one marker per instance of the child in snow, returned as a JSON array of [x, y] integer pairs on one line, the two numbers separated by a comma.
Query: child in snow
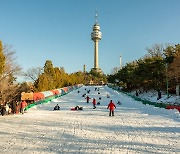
[[87, 99], [84, 95], [119, 102], [111, 107], [98, 103], [57, 107], [94, 103]]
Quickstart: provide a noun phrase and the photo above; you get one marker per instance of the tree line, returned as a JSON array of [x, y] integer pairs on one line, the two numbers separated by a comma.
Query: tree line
[[159, 67], [50, 77], [55, 77]]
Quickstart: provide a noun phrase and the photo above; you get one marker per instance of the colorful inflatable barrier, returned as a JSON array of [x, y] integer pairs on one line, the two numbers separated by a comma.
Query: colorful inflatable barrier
[[65, 89], [46, 96], [38, 96], [55, 92]]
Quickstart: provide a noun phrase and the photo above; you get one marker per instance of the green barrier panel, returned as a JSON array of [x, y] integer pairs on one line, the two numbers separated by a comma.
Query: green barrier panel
[[144, 103], [162, 105], [29, 106], [157, 105], [46, 101]]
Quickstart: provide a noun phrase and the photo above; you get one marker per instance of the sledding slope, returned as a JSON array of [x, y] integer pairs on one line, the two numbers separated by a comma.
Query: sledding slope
[[135, 128]]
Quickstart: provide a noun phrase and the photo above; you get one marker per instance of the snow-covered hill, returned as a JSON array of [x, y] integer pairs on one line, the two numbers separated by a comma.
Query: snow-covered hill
[[135, 128]]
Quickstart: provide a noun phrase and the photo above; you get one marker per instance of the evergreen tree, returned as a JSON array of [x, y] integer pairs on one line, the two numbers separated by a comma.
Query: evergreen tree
[[48, 68], [42, 83], [50, 74], [174, 67]]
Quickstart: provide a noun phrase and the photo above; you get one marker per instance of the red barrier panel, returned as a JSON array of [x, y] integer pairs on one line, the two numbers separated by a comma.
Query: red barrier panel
[[65, 89], [55, 92], [173, 107], [38, 96]]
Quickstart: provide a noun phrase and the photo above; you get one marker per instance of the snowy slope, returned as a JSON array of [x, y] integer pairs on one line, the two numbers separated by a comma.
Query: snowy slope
[[152, 96], [135, 128]]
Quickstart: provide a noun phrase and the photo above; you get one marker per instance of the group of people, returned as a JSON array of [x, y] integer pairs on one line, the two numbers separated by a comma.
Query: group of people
[[111, 106], [76, 108], [13, 108]]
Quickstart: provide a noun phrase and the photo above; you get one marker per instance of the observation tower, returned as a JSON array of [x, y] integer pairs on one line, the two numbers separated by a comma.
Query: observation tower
[[96, 35]]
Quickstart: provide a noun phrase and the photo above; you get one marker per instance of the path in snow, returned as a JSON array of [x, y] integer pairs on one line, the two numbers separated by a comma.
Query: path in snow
[[135, 128]]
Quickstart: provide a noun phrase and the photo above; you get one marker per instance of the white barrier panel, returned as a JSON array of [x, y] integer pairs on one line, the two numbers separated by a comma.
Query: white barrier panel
[[47, 93]]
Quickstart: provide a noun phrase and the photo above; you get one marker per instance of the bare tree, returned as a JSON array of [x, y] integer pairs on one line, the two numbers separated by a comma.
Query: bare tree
[[156, 50], [7, 87], [11, 67], [115, 70], [33, 73]]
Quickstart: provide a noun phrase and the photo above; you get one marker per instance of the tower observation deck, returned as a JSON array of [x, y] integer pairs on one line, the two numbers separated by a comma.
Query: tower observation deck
[[96, 35]]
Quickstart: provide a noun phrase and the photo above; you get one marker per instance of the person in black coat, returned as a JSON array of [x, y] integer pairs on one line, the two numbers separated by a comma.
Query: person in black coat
[[3, 111], [14, 107], [57, 107], [159, 94]]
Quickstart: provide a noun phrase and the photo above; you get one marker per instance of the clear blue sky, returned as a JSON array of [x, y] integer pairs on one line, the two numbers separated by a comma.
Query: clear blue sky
[[59, 30]]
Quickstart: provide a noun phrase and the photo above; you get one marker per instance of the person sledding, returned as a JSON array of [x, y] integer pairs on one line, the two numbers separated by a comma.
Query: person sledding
[[99, 103], [57, 107], [77, 108], [94, 103], [84, 95], [119, 103], [111, 107], [87, 99]]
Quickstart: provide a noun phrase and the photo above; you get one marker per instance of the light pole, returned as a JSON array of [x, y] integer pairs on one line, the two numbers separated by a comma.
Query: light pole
[[120, 62]]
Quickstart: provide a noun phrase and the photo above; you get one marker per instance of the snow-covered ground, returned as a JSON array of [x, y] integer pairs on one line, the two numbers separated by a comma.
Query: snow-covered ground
[[135, 128], [152, 96]]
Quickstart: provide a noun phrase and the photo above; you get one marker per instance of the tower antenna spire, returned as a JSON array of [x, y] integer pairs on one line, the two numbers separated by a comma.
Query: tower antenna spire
[[96, 17]]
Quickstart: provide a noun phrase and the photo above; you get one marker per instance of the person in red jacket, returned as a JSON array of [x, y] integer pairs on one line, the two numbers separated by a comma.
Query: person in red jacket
[[87, 99], [23, 105], [111, 107], [94, 103]]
